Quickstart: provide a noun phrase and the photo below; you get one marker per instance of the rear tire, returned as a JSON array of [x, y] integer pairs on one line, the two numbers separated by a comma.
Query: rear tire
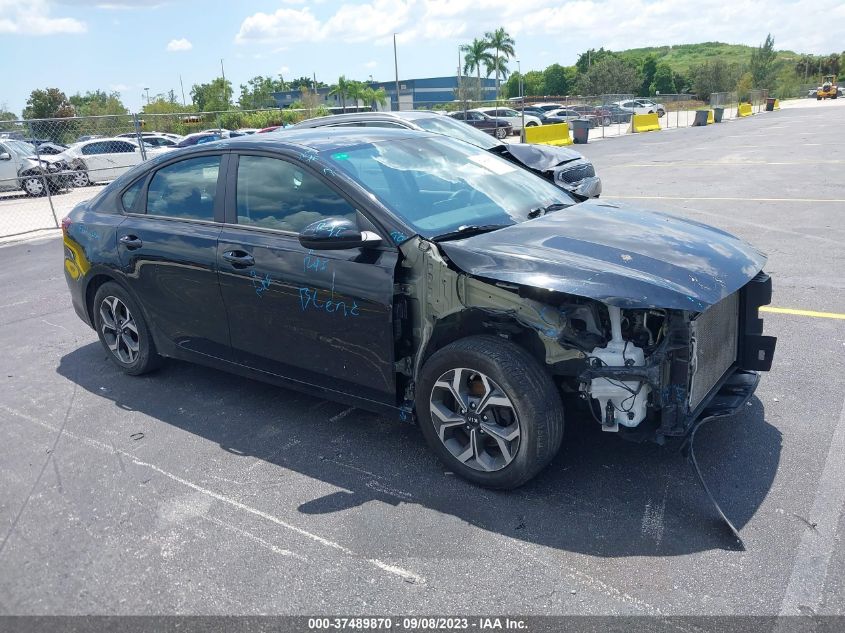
[[122, 330], [489, 411]]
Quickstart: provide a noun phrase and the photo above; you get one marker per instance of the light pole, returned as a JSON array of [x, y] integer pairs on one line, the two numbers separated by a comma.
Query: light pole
[[147, 90], [521, 102], [396, 68]]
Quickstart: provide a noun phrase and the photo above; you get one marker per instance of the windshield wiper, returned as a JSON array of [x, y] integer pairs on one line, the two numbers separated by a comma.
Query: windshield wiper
[[468, 230], [536, 213]]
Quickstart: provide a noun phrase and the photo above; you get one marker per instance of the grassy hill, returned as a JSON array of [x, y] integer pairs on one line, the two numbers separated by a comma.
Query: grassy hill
[[685, 56]]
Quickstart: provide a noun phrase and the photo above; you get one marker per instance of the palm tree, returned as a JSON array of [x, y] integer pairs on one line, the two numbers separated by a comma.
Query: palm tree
[[476, 55], [503, 44], [341, 90], [372, 97], [500, 67], [355, 92]]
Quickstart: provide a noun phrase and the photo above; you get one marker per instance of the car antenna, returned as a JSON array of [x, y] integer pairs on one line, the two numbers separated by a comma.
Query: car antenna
[[687, 450]]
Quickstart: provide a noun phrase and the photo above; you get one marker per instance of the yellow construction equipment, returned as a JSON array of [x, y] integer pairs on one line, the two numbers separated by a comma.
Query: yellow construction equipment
[[828, 89]]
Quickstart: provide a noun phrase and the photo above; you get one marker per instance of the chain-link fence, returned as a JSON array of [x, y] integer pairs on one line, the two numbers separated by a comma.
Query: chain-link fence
[[47, 166]]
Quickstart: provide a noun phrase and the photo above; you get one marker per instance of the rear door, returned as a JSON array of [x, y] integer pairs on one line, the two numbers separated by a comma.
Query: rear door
[[168, 251], [322, 318], [121, 156]]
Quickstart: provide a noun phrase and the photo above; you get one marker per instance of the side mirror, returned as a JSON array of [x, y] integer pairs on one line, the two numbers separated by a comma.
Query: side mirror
[[334, 234], [5, 156]]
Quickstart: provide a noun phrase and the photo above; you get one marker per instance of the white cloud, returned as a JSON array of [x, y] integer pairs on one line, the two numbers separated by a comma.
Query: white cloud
[[577, 24], [285, 25], [181, 44], [371, 64], [32, 17]]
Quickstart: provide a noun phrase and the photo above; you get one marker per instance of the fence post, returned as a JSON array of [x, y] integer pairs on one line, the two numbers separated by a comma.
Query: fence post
[[43, 178], [139, 137]]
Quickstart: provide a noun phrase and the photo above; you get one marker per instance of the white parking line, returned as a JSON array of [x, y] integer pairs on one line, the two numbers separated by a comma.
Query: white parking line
[[805, 590], [405, 574]]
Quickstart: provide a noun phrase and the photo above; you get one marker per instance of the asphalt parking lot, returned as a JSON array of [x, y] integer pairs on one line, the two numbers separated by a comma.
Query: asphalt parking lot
[[193, 491]]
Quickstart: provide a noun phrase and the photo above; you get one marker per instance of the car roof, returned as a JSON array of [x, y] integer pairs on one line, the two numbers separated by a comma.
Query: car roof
[[404, 115], [317, 139]]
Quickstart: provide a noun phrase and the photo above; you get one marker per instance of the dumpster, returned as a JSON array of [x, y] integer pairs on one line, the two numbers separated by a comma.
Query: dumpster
[[718, 113], [580, 130], [770, 105], [700, 117]]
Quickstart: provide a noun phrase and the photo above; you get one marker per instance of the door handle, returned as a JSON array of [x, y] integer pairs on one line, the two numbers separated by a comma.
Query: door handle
[[131, 242], [239, 259]]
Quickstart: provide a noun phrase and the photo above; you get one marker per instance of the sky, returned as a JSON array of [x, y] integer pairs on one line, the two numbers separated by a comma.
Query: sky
[[130, 45]]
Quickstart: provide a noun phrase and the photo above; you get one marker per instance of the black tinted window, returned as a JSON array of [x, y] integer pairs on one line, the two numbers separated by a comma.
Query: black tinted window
[[275, 194], [93, 148], [185, 189]]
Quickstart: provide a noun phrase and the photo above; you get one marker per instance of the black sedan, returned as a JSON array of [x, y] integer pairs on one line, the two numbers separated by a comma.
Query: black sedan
[[414, 275], [491, 125]]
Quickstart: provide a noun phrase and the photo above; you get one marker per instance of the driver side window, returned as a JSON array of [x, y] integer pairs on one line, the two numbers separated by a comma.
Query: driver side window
[[275, 194]]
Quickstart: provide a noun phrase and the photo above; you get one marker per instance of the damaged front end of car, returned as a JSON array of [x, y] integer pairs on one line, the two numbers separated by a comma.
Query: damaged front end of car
[[650, 356]]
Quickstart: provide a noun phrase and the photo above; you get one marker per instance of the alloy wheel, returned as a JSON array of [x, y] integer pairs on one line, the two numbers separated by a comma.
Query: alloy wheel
[[474, 419], [119, 330]]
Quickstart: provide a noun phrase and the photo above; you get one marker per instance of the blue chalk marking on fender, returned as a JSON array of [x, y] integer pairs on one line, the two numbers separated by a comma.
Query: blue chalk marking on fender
[[398, 237], [261, 284]]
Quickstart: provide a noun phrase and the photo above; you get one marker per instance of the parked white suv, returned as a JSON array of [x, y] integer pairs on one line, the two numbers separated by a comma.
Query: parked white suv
[[642, 106], [104, 159], [511, 116]]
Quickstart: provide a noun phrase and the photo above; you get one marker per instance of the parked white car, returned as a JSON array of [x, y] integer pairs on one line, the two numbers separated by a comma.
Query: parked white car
[[511, 116], [641, 106], [104, 159]]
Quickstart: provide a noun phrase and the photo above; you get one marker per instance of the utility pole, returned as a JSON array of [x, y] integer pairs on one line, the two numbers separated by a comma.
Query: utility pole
[[521, 101], [396, 68], [182, 86], [147, 90], [223, 72]]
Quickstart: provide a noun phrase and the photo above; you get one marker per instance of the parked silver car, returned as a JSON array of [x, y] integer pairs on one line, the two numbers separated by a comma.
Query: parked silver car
[[20, 169]]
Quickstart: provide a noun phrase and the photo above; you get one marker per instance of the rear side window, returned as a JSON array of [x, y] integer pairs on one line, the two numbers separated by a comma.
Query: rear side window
[[185, 189], [131, 195], [93, 148], [276, 194]]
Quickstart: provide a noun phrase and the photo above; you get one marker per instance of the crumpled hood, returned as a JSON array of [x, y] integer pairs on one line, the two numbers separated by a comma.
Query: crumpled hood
[[542, 157], [616, 254]]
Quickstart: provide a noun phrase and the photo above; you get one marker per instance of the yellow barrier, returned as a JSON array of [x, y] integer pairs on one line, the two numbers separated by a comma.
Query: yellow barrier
[[744, 109], [554, 134], [645, 123], [777, 104], [710, 117]]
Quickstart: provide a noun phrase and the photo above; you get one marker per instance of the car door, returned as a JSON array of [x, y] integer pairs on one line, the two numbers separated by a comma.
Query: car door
[[8, 169], [322, 318], [96, 161], [122, 155], [168, 252]]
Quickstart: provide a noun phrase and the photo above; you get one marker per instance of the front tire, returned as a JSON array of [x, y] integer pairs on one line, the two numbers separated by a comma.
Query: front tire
[[33, 186], [489, 411], [501, 133], [80, 178], [123, 331]]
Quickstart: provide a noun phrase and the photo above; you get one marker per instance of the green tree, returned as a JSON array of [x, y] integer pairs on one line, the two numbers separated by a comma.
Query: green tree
[[341, 89], [97, 103], [304, 82], [762, 59], [714, 76], [162, 105], [476, 56], [501, 42], [560, 80], [500, 70], [664, 81], [357, 92], [744, 86], [648, 70], [213, 96], [258, 92], [374, 96], [611, 75], [48, 104], [590, 57], [534, 84]]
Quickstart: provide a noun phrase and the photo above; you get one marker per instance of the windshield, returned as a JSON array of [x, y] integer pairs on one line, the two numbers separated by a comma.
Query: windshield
[[438, 185], [19, 148], [458, 129]]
